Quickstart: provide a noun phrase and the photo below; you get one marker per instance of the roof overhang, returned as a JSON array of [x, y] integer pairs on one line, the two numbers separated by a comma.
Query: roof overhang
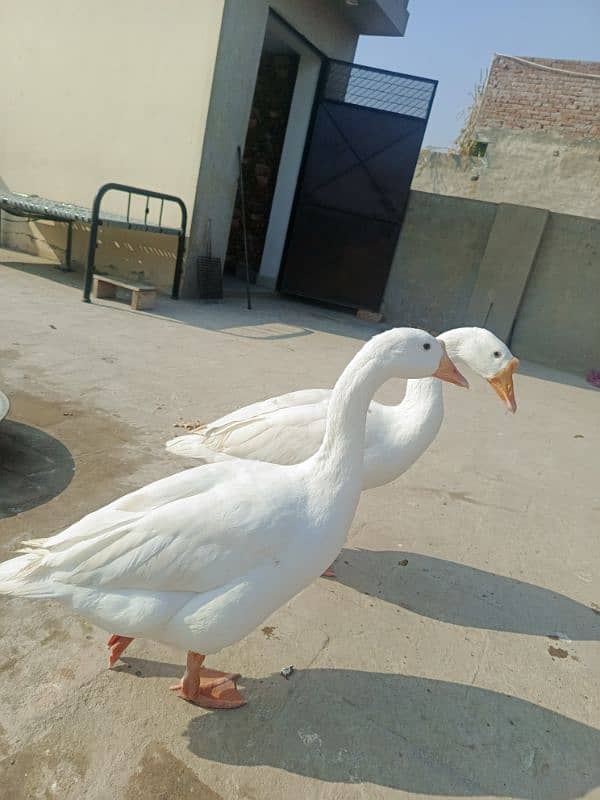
[[376, 17]]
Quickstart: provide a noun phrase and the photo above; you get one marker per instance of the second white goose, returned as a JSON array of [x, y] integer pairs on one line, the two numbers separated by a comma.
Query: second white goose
[[289, 428]]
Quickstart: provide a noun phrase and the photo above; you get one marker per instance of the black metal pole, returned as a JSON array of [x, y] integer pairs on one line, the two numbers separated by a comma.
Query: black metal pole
[[69, 246], [180, 247], [178, 265], [243, 208], [91, 257]]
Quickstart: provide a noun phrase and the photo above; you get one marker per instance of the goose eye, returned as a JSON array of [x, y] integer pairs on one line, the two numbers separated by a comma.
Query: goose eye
[[497, 354], [426, 346]]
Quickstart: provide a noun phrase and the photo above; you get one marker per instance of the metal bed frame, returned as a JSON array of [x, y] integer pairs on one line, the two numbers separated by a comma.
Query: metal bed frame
[[33, 207]]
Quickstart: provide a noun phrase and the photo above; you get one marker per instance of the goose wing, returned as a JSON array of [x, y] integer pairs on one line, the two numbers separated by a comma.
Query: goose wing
[[192, 543], [282, 430]]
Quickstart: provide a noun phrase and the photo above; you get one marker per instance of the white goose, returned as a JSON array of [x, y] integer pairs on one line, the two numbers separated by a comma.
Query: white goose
[[199, 559], [289, 428]]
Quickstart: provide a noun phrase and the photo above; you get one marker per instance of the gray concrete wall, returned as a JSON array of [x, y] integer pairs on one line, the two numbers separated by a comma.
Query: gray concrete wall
[[437, 261], [531, 276], [526, 168], [558, 323], [504, 270]]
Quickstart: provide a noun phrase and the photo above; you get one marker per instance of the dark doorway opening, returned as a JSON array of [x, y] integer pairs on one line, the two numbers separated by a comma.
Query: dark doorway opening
[[275, 83]]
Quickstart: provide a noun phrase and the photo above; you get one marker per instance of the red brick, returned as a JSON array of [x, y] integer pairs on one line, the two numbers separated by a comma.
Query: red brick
[[527, 98]]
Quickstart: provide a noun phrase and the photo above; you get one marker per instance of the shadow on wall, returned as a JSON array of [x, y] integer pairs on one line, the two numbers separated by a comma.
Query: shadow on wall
[[34, 468], [135, 255]]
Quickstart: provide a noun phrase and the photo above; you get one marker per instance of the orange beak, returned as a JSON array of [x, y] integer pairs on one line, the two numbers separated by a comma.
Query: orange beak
[[447, 371], [502, 384]]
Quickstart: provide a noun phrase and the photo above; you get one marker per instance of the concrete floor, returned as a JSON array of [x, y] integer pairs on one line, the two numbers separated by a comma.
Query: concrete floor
[[458, 653]]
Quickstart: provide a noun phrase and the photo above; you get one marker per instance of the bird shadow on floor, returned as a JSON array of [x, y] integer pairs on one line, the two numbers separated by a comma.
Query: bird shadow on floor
[[462, 595], [409, 733]]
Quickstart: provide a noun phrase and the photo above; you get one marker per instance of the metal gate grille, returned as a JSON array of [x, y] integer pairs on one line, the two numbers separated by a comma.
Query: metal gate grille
[[367, 132], [375, 88]]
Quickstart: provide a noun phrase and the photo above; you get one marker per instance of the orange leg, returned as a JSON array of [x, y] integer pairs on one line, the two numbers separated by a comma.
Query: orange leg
[[207, 687], [117, 645], [329, 573]]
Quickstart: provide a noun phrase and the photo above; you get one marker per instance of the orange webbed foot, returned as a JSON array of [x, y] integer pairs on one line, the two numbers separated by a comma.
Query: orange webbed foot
[[214, 690], [117, 646]]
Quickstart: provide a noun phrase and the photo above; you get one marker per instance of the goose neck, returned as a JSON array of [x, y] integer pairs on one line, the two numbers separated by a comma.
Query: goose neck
[[344, 439]]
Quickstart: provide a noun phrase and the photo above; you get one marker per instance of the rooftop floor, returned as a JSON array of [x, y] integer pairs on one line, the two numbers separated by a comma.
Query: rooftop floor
[[457, 654]]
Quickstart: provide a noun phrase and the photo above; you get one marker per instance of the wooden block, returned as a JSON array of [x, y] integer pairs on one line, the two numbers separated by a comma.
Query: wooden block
[[369, 316], [143, 296], [103, 289], [142, 299]]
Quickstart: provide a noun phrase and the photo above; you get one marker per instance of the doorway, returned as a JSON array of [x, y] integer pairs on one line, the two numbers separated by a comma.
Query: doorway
[[274, 90]]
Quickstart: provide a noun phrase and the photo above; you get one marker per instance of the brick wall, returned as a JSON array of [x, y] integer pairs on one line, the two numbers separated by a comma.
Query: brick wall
[[523, 97], [262, 152]]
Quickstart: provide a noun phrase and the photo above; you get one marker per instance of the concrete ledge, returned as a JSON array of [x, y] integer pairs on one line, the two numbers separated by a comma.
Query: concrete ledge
[[378, 17]]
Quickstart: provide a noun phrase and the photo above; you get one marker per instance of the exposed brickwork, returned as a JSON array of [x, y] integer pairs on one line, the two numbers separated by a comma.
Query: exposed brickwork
[[523, 97], [262, 151]]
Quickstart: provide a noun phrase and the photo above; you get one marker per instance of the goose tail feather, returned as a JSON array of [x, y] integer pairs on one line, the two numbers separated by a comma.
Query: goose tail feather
[[15, 574]]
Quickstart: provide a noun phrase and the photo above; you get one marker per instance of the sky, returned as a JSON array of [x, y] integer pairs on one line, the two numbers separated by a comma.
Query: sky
[[454, 41]]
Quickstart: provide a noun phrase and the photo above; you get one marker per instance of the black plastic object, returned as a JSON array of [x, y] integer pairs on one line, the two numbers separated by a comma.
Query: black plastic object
[[210, 272]]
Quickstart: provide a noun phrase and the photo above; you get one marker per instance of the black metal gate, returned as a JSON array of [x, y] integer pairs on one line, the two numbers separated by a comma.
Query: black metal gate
[[366, 134]]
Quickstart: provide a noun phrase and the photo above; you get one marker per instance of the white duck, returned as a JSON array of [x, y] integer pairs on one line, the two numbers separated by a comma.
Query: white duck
[[199, 559], [289, 428]]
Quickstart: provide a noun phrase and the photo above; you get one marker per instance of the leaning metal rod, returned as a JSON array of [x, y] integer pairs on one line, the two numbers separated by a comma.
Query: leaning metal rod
[[69, 247], [243, 207]]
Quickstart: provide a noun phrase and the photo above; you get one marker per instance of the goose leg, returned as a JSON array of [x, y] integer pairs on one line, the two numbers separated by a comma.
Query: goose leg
[[117, 646], [207, 687], [329, 573]]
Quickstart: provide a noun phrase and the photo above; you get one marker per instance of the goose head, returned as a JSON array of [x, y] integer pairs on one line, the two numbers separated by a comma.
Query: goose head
[[486, 355], [413, 353]]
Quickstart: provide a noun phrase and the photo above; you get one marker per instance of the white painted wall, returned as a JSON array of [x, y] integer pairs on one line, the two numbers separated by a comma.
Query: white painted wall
[[150, 94], [94, 92], [240, 46]]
